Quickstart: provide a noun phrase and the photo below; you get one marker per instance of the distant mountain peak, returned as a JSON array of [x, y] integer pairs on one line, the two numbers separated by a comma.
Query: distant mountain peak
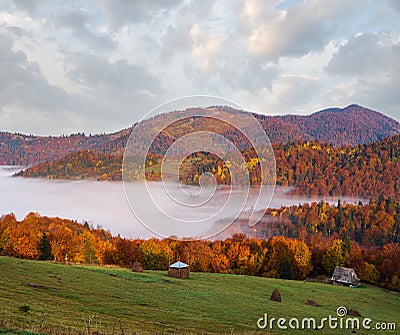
[[351, 125], [355, 106], [349, 108]]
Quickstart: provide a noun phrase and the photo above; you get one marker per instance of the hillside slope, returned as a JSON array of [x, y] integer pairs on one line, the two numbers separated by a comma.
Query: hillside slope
[[19, 149], [349, 126], [78, 165], [318, 169], [313, 168], [151, 302]]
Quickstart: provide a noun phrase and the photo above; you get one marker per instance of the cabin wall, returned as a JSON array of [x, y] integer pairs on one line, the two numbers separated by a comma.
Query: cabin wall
[[179, 273]]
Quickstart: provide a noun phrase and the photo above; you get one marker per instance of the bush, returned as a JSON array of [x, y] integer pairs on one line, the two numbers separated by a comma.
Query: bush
[[369, 273], [24, 308]]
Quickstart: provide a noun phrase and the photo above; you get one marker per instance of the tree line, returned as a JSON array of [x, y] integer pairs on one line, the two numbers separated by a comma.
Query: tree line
[[311, 168], [291, 242], [318, 169]]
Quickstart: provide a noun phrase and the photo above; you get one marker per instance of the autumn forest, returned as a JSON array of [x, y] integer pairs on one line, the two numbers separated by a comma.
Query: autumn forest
[[291, 242], [313, 168], [325, 154]]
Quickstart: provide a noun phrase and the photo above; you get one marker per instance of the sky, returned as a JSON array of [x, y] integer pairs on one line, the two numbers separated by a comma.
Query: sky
[[71, 66]]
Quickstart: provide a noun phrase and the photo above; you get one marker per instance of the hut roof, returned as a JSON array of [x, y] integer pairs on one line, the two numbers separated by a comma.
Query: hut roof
[[179, 265], [345, 275]]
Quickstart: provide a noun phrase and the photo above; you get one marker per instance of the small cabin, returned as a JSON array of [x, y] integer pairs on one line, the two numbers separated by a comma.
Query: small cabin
[[345, 277], [179, 270]]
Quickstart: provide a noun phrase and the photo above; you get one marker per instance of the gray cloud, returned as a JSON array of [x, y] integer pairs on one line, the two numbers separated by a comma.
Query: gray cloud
[[395, 4], [117, 89], [29, 6], [17, 31], [26, 97], [96, 72], [22, 83], [175, 40], [251, 76], [366, 55], [113, 93], [370, 64], [78, 23]]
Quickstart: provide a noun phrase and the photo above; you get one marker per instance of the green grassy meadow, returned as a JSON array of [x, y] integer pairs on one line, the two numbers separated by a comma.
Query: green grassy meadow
[[121, 301]]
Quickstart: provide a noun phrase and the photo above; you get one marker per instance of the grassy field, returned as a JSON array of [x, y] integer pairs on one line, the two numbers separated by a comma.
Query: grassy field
[[121, 301]]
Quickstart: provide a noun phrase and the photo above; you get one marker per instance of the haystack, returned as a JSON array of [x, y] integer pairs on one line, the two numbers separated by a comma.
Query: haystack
[[137, 267], [276, 295], [179, 270]]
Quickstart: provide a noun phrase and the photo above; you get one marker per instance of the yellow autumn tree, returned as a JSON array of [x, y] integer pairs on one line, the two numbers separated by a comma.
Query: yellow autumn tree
[[302, 259], [334, 256]]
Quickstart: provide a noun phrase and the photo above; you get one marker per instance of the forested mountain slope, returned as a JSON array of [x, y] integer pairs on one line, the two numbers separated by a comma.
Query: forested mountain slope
[[313, 168], [349, 126]]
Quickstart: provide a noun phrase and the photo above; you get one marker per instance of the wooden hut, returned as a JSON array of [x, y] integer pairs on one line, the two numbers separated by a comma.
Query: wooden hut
[[179, 270], [137, 267], [345, 277]]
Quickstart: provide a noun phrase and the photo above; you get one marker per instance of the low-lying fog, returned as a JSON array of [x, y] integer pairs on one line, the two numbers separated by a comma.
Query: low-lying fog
[[105, 204]]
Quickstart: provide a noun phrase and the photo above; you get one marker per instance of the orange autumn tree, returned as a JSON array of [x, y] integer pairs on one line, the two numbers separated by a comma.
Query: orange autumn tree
[[288, 258], [219, 260]]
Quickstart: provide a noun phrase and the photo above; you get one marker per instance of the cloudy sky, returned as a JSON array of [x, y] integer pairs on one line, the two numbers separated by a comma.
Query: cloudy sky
[[97, 66]]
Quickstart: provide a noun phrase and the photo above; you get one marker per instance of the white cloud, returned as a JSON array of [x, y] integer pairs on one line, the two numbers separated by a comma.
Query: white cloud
[[206, 48], [295, 31]]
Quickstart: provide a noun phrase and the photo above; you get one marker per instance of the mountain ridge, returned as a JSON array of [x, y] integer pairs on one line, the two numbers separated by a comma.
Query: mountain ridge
[[350, 126]]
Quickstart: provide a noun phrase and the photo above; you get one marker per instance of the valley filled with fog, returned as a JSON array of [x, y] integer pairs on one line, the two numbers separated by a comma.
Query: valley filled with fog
[[105, 204]]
